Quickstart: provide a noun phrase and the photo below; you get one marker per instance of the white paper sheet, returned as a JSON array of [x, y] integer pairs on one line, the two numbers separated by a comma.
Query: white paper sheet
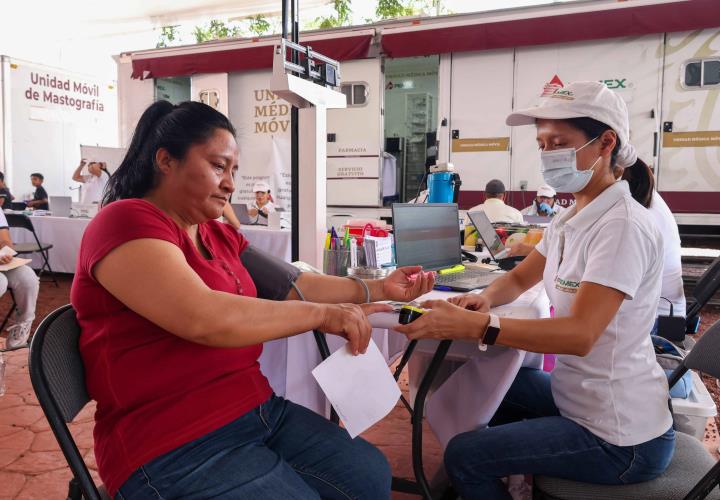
[[360, 388], [6, 250]]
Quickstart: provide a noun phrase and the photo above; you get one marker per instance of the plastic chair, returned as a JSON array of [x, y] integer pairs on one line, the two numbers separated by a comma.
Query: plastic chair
[[58, 378], [706, 287], [23, 222], [684, 477]]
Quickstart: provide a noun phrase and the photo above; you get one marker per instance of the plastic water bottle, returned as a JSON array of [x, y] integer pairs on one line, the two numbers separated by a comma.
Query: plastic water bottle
[[2, 374]]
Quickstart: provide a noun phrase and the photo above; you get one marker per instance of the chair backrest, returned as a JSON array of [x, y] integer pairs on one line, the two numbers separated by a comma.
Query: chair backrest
[[707, 285], [58, 378], [20, 220], [705, 354]]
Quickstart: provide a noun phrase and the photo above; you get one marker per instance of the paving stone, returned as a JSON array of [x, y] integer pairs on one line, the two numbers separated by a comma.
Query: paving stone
[[19, 441], [38, 462], [10, 484], [7, 457], [47, 486], [22, 416], [44, 441]]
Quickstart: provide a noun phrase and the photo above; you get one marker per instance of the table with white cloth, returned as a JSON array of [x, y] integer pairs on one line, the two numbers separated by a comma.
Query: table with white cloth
[[462, 399], [63, 233], [275, 242]]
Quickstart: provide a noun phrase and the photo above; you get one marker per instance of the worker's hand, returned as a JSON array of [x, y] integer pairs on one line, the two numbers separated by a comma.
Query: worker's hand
[[407, 283], [252, 212], [519, 250], [265, 210], [350, 322], [472, 301], [5, 259], [443, 321]]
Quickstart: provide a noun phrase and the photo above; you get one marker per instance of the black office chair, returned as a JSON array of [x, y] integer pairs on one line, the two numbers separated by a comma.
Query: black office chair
[[58, 377], [706, 287], [684, 477], [23, 222]]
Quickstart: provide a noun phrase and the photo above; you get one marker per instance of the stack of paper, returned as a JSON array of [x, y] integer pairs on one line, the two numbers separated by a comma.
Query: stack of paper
[[16, 262]]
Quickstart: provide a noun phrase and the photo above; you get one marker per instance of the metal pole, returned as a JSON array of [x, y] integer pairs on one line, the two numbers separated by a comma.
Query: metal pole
[[294, 134]]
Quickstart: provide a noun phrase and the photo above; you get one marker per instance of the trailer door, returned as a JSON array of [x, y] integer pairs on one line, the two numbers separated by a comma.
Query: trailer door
[[354, 147], [688, 177], [480, 99]]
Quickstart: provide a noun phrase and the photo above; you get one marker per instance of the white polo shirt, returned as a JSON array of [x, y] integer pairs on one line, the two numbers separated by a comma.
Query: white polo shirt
[[617, 391], [672, 283], [497, 211]]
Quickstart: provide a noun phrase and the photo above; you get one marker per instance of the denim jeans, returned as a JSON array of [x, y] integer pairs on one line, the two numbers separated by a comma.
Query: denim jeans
[[279, 450], [545, 443]]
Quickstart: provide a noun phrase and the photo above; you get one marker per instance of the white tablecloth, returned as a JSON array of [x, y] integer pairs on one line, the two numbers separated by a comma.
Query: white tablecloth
[[273, 241], [65, 234], [467, 399]]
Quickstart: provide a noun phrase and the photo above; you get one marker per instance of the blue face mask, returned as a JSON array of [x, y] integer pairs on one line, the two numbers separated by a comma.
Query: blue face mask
[[559, 169]]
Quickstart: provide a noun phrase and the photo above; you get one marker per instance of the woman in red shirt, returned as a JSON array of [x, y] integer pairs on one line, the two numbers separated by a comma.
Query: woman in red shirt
[[174, 307]]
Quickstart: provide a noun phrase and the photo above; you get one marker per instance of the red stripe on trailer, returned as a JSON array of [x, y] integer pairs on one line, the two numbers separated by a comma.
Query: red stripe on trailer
[[680, 202], [243, 59], [596, 25]]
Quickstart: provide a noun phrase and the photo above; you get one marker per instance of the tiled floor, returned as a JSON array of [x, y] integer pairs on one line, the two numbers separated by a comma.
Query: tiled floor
[[31, 467]]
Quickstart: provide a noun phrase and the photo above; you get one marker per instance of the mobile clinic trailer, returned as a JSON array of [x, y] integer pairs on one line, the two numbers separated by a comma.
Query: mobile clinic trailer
[[47, 113], [439, 89]]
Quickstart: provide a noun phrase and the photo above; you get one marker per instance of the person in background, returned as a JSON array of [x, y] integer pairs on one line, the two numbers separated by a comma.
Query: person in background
[[40, 196], [545, 203], [230, 217], [25, 286], [642, 188], [495, 207], [263, 204], [5, 197], [93, 176]]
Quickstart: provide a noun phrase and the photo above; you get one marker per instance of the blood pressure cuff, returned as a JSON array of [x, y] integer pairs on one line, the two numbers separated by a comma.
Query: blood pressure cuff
[[273, 277]]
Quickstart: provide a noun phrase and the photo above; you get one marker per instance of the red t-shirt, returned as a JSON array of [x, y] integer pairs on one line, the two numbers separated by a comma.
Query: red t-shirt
[[154, 390]]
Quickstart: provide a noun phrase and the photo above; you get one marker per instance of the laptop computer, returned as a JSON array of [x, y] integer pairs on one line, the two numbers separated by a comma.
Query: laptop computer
[[428, 235], [488, 235], [241, 212], [60, 206]]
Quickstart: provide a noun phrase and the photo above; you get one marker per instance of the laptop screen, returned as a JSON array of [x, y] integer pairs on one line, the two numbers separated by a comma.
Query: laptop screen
[[426, 234], [487, 232]]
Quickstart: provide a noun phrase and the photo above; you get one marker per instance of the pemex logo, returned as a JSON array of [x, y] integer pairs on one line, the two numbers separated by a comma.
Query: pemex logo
[[552, 86]]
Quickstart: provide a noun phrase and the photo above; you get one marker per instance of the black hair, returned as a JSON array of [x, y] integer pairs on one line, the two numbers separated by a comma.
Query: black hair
[[639, 175], [38, 175], [2, 177], [162, 125]]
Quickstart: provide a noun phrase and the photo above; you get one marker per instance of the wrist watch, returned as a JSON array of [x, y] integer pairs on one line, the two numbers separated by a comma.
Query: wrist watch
[[491, 333]]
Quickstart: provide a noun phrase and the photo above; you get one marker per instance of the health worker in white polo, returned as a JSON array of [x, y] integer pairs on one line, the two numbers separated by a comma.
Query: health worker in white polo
[[602, 416]]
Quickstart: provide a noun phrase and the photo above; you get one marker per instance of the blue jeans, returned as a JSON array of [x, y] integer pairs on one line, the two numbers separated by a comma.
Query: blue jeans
[[279, 450], [546, 444]]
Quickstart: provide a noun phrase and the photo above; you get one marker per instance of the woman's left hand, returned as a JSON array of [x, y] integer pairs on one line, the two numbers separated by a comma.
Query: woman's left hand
[[444, 320], [407, 283], [5, 259]]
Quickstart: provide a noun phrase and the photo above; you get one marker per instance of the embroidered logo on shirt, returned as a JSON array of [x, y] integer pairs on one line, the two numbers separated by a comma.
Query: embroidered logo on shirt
[[567, 285]]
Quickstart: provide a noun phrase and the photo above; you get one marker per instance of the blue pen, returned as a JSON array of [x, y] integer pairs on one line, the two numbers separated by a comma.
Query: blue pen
[[443, 288], [333, 234]]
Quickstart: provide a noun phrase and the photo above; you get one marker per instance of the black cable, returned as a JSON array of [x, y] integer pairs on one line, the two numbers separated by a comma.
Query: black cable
[[420, 188], [671, 305]]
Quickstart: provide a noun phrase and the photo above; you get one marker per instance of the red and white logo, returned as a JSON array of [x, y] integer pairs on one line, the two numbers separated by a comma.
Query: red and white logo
[[552, 86]]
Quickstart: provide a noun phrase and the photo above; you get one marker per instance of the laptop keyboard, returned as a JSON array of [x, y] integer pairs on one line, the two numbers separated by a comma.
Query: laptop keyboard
[[478, 276]]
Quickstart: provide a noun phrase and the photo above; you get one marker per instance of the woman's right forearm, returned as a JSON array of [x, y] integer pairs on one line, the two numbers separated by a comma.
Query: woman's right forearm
[[503, 290], [233, 321]]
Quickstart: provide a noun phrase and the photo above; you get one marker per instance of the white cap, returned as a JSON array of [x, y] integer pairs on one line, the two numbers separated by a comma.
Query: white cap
[[584, 99], [261, 186], [546, 191]]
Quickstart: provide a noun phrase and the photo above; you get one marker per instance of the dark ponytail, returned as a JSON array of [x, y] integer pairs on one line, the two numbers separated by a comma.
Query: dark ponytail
[[642, 182], [639, 175], [162, 125]]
